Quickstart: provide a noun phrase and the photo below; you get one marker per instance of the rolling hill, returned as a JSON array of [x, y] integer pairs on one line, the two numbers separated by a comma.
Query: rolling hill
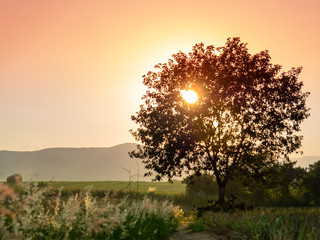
[[72, 164]]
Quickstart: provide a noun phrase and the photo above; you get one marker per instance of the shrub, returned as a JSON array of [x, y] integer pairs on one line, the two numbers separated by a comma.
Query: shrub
[[14, 179], [204, 183], [197, 226]]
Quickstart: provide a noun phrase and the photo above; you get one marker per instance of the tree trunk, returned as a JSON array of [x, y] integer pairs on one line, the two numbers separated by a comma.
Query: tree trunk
[[222, 191]]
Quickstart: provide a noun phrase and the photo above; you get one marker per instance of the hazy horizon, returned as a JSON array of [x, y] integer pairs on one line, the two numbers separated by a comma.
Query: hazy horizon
[[66, 147], [83, 164]]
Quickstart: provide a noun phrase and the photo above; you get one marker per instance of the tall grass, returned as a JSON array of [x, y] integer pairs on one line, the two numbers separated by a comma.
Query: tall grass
[[44, 214], [270, 223]]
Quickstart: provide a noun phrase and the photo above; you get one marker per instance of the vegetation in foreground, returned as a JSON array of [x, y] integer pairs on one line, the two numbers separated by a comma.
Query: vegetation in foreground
[[283, 185], [43, 214], [263, 224]]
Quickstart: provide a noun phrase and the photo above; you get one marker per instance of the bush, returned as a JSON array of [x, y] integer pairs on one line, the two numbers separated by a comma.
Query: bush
[[204, 183], [14, 179], [197, 226]]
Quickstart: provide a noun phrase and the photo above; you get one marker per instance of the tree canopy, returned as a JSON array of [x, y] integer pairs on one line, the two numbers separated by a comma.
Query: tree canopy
[[247, 114]]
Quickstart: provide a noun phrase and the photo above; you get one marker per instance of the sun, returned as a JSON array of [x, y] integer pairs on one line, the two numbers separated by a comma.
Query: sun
[[189, 96]]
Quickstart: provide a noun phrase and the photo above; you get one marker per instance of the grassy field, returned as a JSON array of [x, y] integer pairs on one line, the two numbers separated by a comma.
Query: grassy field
[[265, 223], [143, 187]]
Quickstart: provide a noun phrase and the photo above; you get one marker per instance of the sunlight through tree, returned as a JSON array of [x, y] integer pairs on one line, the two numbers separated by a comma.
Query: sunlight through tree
[[245, 113]]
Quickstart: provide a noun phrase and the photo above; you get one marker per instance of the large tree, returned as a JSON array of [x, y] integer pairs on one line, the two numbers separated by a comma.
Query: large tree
[[247, 114]]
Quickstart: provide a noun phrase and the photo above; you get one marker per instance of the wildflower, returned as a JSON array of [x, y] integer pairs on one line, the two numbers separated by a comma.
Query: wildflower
[[178, 213]]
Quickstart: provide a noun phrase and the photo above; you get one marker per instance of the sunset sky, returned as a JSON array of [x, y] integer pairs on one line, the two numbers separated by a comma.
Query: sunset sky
[[71, 70]]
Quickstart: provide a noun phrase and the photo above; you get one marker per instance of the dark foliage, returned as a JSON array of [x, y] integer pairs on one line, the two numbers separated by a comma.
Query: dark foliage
[[14, 179], [203, 183], [311, 182]]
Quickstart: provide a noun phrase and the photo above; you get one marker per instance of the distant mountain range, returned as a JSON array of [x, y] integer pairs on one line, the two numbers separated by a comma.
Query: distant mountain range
[[72, 164], [82, 164]]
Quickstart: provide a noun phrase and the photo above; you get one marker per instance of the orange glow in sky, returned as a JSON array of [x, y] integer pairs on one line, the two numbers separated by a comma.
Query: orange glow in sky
[[189, 96], [71, 71]]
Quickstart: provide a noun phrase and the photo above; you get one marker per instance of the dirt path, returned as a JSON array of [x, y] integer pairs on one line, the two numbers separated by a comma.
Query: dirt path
[[184, 234]]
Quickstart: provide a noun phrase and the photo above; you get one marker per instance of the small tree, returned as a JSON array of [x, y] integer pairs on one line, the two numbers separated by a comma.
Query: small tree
[[246, 115], [14, 179]]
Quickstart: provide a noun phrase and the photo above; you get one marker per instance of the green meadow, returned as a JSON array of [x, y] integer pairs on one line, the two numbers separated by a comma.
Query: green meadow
[[142, 187]]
